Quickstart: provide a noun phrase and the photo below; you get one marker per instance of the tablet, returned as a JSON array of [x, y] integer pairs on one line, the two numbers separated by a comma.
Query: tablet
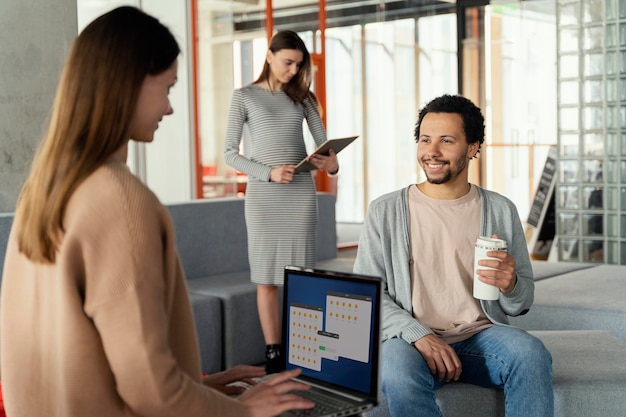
[[324, 149]]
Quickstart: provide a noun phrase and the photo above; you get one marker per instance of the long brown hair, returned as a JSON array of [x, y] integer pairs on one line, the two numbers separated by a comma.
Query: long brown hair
[[298, 88], [91, 115]]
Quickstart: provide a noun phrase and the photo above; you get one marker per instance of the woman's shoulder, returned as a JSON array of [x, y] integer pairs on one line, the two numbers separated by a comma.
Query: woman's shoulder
[[251, 88], [115, 189]]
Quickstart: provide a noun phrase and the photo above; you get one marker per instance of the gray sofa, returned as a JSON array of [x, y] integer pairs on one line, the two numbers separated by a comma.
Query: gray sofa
[[579, 312], [212, 243]]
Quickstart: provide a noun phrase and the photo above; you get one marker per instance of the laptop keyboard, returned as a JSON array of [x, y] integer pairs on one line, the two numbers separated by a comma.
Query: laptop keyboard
[[324, 404]]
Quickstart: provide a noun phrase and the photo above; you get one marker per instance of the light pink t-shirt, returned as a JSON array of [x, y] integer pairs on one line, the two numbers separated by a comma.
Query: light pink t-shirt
[[443, 234]]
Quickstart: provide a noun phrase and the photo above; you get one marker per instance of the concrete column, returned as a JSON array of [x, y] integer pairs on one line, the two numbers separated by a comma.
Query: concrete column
[[35, 36]]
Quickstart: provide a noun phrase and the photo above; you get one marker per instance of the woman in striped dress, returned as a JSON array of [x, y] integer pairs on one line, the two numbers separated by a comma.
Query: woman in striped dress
[[281, 207]]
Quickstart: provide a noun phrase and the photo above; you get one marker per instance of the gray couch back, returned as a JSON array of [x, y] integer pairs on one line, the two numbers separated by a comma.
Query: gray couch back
[[211, 234], [212, 239]]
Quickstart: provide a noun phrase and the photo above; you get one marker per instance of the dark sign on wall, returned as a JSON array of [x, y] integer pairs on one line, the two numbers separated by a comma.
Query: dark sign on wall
[[541, 223]]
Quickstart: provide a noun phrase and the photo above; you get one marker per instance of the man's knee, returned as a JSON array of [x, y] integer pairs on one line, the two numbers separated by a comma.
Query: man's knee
[[534, 355], [403, 366]]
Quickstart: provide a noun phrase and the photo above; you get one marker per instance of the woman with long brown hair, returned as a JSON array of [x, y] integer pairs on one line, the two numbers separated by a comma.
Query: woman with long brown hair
[[96, 318], [281, 206]]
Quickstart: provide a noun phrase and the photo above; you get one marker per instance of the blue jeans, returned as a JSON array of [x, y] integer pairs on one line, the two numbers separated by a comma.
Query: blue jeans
[[498, 357]]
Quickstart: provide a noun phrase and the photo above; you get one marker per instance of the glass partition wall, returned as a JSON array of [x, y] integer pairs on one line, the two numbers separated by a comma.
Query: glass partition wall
[[591, 181]]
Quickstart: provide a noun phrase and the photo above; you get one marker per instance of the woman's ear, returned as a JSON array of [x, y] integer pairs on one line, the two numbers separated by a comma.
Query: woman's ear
[[268, 57]]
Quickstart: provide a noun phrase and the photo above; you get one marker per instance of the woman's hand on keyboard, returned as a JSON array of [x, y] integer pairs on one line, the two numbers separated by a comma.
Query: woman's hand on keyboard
[[272, 397], [235, 380]]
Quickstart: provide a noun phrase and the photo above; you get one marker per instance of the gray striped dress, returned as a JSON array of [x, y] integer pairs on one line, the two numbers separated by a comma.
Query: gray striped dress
[[281, 218]]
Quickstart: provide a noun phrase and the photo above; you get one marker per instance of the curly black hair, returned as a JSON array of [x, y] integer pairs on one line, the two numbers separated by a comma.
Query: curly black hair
[[473, 120]]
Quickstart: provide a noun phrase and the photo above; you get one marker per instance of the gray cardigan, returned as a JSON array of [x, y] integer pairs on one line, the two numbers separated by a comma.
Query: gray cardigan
[[383, 251]]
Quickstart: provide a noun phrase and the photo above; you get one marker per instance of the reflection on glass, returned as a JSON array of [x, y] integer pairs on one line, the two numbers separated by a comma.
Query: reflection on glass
[[612, 252], [610, 9], [594, 65], [623, 171], [568, 40], [612, 223], [569, 171], [612, 144], [611, 63], [568, 223], [593, 91], [569, 145], [593, 11], [593, 170], [592, 38], [592, 198], [568, 66], [593, 224], [593, 251], [568, 250], [612, 117], [569, 118], [568, 13], [569, 92], [610, 40], [568, 197], [611, 90], [612, 171], [593, 144], [612, 196], [593, 117]]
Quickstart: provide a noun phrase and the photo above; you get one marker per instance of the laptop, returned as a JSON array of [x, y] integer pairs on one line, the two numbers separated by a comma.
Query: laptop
[[331, 330]]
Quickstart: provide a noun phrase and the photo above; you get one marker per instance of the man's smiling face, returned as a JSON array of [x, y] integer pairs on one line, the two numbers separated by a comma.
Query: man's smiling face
[[442, 148]]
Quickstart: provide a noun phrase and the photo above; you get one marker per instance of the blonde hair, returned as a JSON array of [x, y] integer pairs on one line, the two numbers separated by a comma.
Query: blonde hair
[[91, 115]]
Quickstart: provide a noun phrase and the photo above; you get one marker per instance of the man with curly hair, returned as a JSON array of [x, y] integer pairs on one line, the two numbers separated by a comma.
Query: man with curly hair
[[420, 240]]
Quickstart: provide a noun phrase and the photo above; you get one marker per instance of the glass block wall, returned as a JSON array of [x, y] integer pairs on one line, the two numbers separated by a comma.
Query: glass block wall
[[591, 181]]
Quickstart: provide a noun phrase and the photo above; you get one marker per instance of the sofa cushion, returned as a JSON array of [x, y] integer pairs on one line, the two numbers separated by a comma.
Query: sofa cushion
[[212, 239], [587, 299], [543, 269], [207, 314], [589, 374], [211, 236], [243, 341]]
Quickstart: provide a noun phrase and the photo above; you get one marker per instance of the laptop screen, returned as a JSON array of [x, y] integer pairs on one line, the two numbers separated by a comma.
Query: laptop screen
[[331, 327]]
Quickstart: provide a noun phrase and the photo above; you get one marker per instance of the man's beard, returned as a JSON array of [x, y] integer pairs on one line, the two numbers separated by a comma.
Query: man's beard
[[460, 163], [447, 177]]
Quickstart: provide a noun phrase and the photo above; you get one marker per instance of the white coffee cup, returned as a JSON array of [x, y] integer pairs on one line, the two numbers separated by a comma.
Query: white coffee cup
[[485, 244]]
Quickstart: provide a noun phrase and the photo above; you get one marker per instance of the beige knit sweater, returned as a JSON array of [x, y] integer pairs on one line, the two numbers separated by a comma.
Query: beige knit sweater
[[107, 330]]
